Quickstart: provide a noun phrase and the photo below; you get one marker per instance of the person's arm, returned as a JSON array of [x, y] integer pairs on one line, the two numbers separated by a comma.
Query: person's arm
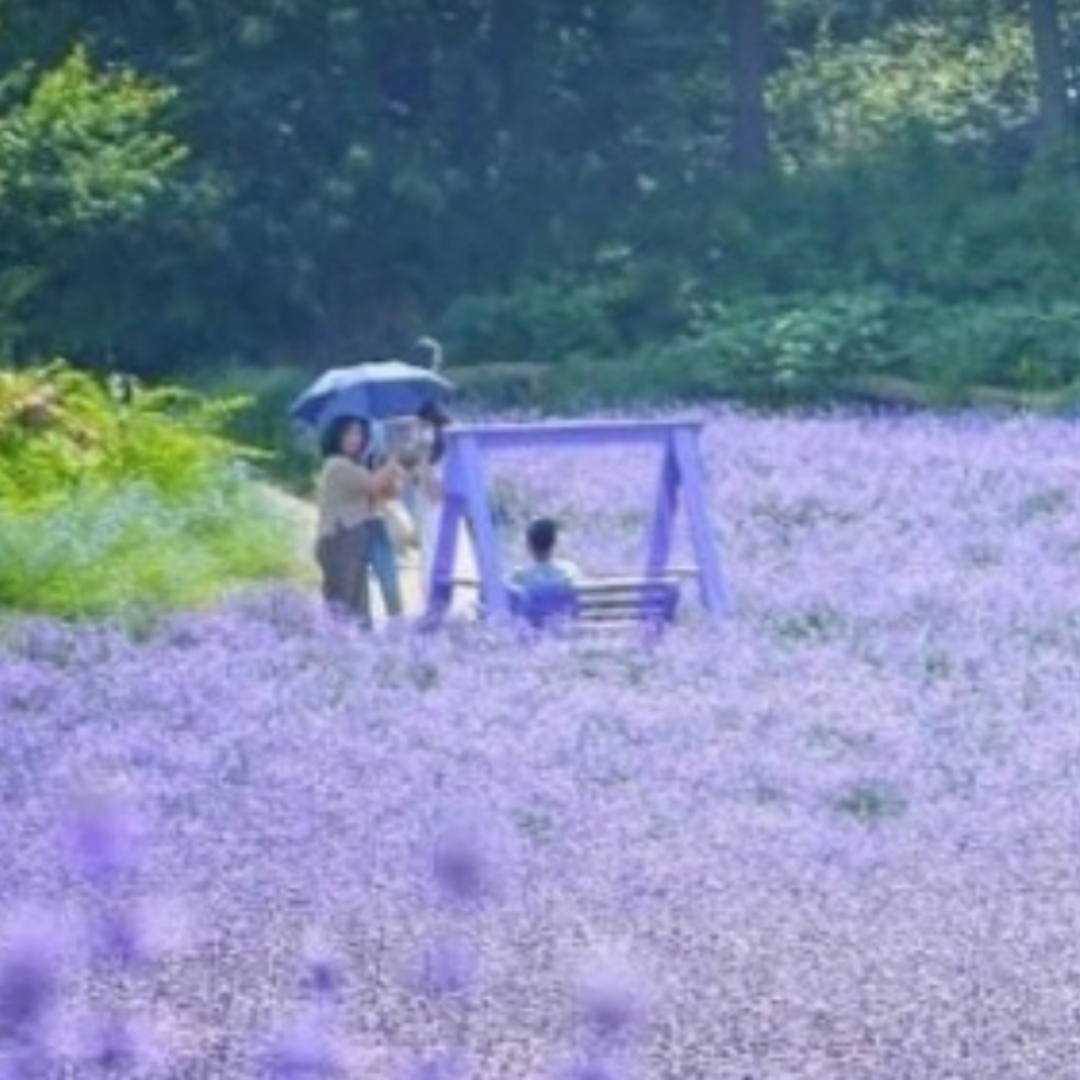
[[388, 478], [356, 481]]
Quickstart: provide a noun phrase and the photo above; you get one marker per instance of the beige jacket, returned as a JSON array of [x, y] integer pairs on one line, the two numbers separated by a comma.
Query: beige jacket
[[350, 493]]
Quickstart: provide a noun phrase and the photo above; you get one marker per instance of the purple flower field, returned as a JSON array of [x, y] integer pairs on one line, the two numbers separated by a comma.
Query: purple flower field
[[836, 837]]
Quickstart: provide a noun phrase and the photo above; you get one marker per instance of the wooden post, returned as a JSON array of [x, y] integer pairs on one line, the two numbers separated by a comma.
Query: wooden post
[[714, 594]]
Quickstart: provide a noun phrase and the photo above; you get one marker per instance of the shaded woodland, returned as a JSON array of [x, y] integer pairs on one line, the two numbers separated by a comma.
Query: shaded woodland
[[775, 200]]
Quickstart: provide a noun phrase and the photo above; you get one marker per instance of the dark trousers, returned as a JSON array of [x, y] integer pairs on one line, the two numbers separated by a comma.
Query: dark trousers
[[345, 559], [344, 571]]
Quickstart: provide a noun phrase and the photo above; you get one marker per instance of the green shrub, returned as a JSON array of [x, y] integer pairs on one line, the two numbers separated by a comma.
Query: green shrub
[[1017, 345], [134, 549], [111, 504], [538, 322], [775, 352], [821, 349], [264, 422], [63, 430]]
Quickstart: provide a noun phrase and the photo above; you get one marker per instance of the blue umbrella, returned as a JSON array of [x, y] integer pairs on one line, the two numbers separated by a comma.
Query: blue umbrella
[[376, 391]]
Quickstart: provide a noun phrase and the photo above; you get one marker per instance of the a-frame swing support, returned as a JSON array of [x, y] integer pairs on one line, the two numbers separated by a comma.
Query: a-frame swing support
[[680, 485]]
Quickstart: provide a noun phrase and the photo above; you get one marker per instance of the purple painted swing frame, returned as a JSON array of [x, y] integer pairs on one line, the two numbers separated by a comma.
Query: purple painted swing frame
[[681, 482]]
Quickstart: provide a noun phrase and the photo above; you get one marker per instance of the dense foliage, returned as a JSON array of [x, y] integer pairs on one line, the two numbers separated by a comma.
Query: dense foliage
[[833, 837], [307, 182], [85, 179], [114, 497]]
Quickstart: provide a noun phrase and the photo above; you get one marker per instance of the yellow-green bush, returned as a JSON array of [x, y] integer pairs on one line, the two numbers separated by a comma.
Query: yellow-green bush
[[63, 429], [114, 498]]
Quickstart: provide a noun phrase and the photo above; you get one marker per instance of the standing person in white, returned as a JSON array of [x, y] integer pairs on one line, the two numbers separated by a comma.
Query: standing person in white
[[423, 497], [423, 492]]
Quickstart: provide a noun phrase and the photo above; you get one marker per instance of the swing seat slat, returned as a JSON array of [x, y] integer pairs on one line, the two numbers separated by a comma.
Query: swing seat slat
[[599, 600]]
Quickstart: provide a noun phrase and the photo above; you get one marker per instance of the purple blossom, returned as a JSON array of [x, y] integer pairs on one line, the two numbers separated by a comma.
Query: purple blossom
[[112, 1046], [592, 1069], [447, 967], [461, 863], [104, 838], [303, 1051], [906, 631], [29, 977], [30, 1061], [117, 938], [134, 933], [444, 1066], [323, 970], [610, 998]]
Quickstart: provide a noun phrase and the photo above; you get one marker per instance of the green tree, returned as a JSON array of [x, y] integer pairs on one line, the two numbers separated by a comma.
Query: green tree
[[84, 158], [1049, 52], [750, 135]]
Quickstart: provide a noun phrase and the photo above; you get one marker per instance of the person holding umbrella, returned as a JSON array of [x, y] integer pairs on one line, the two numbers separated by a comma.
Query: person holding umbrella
[[352, 533], [332, 405], [422, 494]]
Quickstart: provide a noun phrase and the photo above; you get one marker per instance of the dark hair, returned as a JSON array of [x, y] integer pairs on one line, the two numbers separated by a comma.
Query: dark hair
[[431, 412], [541, 536], [334, 433]]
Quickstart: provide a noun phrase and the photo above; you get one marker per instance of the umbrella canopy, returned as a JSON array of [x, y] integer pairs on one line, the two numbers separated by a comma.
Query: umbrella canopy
[[375, 391]]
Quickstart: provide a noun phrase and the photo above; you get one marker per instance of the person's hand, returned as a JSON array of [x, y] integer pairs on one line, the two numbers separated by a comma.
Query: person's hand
[[409, 458], [398, 473]]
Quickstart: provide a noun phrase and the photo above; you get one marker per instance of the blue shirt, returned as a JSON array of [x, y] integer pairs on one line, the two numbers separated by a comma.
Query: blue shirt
[[540, 574]]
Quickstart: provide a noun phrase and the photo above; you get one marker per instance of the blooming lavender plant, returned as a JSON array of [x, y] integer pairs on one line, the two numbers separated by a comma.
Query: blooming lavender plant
[[29, 985], [611, 999], [28, 981], [460, 863], [104, 836], [303, 1051], [610, 1005], [447, 967], [841, 826]]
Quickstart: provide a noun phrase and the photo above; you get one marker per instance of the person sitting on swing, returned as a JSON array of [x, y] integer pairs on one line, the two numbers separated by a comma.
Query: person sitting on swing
[[544, 570]]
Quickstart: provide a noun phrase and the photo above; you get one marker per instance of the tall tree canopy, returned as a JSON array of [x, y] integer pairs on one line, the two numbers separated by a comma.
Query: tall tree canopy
[[320, 179]]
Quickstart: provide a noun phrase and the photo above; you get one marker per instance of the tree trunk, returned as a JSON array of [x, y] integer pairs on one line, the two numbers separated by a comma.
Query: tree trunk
[[750, 126], [1050, 68]]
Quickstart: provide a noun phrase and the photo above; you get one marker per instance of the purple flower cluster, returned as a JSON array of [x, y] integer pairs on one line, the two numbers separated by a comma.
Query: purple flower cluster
[[833, 837]]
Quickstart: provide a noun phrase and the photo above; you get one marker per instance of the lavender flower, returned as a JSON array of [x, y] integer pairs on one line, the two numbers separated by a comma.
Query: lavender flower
[[303, 1051], [447, 967], [29, 978], [907, 612], [323, 973], [610, 998], [443, 1066], [104, 838], [591, 1070], [461, 864], [117, 938], [29, 1061], [112, 1046]]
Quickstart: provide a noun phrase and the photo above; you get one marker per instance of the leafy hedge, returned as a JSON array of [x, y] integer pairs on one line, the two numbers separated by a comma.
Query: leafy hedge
[[811, 349], [114, 498]]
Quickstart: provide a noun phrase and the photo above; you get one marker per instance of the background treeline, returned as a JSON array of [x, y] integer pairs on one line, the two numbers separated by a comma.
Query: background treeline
[[779, 200]]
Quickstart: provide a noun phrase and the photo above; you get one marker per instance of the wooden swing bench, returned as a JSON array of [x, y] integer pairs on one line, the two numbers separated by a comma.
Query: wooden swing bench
[[651, 598], [602, 600]]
